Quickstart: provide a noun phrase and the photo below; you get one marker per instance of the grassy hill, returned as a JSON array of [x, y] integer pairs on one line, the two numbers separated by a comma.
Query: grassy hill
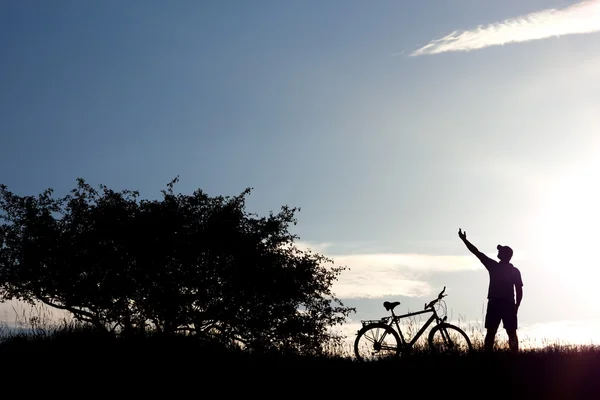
[[554, 372]]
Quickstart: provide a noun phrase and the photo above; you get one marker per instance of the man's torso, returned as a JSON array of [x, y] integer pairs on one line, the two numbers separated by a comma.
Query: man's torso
[[503, 278]]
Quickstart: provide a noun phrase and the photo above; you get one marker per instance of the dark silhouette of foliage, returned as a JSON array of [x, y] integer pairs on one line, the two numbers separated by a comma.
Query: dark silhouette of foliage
[[189, 263]]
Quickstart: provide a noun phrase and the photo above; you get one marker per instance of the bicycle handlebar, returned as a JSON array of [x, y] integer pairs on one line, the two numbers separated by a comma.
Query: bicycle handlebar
[[439, 297]]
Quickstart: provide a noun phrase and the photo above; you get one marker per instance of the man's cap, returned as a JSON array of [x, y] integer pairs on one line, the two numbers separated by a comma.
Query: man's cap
[[505, 249]]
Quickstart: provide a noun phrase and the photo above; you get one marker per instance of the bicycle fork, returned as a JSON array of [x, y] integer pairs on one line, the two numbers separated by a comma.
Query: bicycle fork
[[446, 337]]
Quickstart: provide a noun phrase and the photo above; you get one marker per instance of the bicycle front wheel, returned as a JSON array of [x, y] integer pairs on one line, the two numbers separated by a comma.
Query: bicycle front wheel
[[447, 338], [375, 342]]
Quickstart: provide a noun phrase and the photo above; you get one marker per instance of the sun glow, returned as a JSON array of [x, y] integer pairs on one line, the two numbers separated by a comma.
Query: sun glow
[[567, 231]]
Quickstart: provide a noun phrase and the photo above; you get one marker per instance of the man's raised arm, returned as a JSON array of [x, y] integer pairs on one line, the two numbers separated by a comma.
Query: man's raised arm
[[482, 257]]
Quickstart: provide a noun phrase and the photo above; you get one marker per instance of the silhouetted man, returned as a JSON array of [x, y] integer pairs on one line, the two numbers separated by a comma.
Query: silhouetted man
[[501, 295]]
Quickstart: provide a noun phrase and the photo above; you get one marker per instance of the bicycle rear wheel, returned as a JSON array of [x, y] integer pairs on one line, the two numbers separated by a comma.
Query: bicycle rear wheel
[[447, 338], [376, 341]]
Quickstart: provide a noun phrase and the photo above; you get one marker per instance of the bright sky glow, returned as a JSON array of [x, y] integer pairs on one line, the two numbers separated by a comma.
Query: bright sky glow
[[567, 232]]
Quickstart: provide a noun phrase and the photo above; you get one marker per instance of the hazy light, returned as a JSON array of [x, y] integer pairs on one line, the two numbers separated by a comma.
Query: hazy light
[[567, 232]]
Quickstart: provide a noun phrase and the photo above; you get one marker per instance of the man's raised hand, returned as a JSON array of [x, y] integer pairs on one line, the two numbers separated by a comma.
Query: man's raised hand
[[462, 235]]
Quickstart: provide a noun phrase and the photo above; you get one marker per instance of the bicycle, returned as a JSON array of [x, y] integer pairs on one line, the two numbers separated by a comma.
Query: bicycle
[[442, 337]]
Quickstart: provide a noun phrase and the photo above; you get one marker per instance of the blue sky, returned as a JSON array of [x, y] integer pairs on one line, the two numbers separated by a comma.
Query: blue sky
[[387, 144]]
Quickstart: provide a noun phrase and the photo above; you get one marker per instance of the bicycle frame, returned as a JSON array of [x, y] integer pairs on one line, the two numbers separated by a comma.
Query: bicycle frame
[[434, 317]]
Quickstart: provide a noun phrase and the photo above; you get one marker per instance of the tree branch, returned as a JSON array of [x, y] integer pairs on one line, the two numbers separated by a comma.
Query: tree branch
[[84, 315]]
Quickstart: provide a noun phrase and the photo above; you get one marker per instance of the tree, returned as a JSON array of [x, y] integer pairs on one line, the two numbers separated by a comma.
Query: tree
[[181, 263]]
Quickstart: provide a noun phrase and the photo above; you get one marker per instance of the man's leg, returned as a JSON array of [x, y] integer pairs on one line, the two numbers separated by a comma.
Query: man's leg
[[513, 340], [510, 324], [490, 336], [492, 322]]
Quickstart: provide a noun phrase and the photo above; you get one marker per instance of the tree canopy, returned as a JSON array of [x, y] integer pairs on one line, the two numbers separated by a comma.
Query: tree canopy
[[190, 263]]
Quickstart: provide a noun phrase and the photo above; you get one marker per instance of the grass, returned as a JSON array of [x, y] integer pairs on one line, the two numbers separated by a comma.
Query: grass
[[553, 371]]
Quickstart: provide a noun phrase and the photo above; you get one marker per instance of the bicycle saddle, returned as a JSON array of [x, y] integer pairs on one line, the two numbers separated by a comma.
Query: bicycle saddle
[[390, 306]]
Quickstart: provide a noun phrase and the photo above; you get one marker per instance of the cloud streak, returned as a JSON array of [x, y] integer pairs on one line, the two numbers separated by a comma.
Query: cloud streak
[[580, 18]]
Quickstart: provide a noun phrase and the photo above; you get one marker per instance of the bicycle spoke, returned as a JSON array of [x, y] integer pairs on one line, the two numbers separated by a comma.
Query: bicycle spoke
[[377, 338], [370, 340]]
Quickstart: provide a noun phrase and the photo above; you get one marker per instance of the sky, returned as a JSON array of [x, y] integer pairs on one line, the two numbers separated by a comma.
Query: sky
[[391, 124]]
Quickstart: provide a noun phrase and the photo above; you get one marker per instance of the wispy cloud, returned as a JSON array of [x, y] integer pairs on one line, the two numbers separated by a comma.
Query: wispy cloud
[[583, 17], [373, 275], [379, 275]]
